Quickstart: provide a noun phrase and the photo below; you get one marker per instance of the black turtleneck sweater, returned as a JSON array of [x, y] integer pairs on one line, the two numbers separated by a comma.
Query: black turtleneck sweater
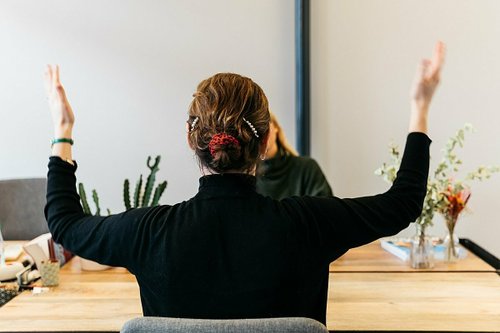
[[229, 252], [286, 175]]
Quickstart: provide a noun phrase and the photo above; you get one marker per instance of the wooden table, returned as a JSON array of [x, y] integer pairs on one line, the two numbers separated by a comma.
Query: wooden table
[[414, 302], [363, 295], [83, 301], [372, 288]]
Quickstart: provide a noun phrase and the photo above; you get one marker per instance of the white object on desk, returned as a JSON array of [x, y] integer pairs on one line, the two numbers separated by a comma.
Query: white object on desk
[[89, 265], [38, 248], [12, 252], [9, 270]]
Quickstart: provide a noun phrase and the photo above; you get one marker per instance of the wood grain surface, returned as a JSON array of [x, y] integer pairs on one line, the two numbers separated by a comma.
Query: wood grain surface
[[414, 302]]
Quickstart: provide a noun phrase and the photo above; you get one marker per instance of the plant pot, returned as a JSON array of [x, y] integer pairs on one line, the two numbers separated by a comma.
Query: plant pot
[[89, 265]]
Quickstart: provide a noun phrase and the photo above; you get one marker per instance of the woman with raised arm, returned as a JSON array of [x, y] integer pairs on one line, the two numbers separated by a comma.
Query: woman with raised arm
[[229, 252]]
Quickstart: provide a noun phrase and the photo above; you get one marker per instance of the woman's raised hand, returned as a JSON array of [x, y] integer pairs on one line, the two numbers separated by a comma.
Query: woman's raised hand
[[424, 85], [427, 77], [62, 114]]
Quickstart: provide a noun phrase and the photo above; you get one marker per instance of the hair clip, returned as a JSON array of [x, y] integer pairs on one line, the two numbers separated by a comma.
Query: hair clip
[[193, 124], [251, 127]]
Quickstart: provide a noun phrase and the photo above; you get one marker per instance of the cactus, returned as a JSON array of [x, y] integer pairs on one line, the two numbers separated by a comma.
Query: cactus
[[142, 196], [137, 193], [126, 194], [158, 193], [95, 197], [85, 203], [83, 198], [148, 189]]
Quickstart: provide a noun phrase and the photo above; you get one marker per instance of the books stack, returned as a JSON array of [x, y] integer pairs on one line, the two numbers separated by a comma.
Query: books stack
[[399, 247]]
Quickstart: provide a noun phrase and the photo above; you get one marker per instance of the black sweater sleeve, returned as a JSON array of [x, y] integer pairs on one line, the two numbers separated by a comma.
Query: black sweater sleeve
[[92, 237], [336, 224]]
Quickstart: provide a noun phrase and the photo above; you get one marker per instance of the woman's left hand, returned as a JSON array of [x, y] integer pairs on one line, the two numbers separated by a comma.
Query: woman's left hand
[[424, 85], [427, 78]]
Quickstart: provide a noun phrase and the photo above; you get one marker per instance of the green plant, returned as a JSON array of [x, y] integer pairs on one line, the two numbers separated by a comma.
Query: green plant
[[142, 195], [442, 179], [85, 204]]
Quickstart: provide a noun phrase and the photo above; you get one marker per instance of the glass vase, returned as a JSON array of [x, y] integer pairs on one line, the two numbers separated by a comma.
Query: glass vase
[[422, 251], [451, 242]]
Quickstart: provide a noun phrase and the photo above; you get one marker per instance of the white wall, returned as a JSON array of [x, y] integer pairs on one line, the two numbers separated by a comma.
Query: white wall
[[130, 68], [364, 54]]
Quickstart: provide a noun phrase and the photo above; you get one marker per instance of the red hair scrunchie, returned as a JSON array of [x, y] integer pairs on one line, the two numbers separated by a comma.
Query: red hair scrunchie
[[222, 139]]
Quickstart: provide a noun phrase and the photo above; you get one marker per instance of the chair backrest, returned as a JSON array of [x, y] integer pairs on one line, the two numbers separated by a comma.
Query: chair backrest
[[21, 208], [181, 325]]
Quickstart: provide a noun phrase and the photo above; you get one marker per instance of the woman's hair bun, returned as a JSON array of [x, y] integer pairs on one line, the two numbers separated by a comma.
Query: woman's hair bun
[[228, 119], [225, 150]]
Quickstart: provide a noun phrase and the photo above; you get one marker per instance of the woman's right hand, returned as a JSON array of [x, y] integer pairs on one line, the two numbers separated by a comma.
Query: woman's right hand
[[424, 85], [62, 113]]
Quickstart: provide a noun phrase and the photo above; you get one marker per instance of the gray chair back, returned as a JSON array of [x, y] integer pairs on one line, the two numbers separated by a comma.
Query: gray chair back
[[21, 208], [181, 325]]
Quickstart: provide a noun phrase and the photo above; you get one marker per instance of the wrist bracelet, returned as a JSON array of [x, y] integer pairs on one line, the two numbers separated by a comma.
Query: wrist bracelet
[[62, 140]]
